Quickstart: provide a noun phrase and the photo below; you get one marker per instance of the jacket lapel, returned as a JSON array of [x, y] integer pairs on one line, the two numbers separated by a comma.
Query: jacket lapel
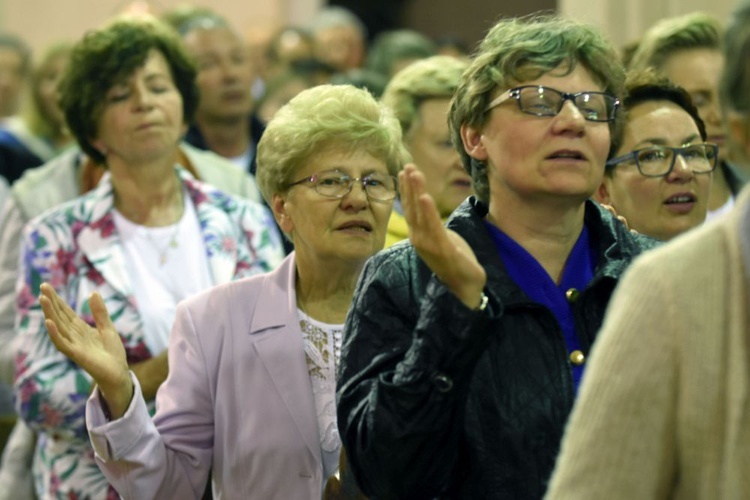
[[219, 234], [99, 240], [277, 310]]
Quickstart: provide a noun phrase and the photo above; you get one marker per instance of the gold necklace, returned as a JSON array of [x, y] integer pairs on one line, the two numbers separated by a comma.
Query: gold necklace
[[164, 251]]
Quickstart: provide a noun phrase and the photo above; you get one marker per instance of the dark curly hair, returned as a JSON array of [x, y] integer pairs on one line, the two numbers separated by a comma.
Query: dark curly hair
[[108, 55], [646, 86]]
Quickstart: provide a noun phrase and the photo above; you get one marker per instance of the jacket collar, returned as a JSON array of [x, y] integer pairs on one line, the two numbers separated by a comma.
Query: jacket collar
[[100, 242], [277, 305], [616, 245], [276, 309]]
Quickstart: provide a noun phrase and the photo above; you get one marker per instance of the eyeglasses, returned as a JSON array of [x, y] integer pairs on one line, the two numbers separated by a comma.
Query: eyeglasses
[[546, 101], [658, 161], [335, 184]]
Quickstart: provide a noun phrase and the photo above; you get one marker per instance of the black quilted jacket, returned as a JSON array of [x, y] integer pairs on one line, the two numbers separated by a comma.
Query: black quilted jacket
[[436, 400]]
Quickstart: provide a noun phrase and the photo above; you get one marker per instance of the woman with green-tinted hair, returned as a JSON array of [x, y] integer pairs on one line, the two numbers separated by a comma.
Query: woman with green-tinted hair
[[463, 350]]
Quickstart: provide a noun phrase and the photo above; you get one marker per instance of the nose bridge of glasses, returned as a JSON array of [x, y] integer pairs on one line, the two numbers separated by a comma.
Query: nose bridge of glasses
[[568, 107], [572, 100], [680, 162], [349, 183]]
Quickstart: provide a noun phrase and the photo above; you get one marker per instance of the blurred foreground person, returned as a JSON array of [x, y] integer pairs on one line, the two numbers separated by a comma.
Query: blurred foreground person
[[663, 410]]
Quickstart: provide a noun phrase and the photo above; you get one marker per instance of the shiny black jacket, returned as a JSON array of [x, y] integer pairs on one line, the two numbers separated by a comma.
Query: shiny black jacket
[[436, 400]]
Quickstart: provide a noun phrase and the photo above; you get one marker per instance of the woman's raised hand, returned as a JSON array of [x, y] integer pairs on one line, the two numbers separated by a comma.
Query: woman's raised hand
[[98, 350], [445, 252]]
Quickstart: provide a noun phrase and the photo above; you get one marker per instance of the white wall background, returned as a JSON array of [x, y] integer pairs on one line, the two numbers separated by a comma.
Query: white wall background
[[626, 20], [42, 22]]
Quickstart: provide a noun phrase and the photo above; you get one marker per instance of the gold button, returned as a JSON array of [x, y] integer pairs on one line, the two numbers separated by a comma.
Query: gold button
[[577, 358], [572, 295]]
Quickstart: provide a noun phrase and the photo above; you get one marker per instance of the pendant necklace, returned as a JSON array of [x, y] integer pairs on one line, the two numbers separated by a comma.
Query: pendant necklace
[[164, 251]]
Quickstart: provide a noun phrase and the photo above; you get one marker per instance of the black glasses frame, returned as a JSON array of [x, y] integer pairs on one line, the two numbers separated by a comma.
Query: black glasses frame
[[713, 158], [612, 102]]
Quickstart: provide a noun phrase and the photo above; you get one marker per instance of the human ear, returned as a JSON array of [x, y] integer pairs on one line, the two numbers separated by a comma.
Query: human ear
[[602, 193], [473, 143], [278, 206]]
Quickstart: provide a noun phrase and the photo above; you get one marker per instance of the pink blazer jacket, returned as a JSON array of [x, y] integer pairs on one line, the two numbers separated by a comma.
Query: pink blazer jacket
[[238, 399]]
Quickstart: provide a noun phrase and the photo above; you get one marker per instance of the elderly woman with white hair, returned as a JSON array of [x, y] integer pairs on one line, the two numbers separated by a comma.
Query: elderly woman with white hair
[[251, 388]]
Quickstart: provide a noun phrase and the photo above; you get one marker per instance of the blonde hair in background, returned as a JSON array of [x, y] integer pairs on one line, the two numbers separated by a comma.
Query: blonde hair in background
[[690, 31], [434, 77]]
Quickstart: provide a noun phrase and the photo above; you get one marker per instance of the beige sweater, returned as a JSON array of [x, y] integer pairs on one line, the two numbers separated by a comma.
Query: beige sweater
[[664, 408]]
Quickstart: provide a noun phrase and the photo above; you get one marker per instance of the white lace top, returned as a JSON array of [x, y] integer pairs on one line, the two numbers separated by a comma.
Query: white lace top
[[322, 343]]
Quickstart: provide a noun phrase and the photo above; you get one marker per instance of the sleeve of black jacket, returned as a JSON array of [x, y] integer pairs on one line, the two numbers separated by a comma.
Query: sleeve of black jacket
[[409, 350]]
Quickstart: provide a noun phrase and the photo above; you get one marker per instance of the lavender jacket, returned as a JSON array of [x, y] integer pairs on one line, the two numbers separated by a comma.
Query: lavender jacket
[[238, 398]]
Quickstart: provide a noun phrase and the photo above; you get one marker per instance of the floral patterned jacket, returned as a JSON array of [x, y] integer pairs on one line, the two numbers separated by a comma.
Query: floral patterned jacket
[[76, 248]]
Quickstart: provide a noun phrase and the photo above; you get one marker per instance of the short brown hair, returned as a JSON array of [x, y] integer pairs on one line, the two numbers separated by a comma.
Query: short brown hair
[[646, 86], [105, 56], [517, 50]]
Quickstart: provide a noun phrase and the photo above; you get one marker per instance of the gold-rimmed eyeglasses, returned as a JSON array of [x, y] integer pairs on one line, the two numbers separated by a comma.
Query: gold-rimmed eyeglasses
[[336, 184]]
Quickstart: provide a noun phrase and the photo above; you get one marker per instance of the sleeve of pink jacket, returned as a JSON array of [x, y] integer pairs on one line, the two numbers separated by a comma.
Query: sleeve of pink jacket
[[171, 455]]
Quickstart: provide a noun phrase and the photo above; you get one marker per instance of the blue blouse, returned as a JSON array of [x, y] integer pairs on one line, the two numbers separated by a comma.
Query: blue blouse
[[528, 274]]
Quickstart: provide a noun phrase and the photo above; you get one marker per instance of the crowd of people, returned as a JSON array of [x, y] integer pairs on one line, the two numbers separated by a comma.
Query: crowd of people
[[391, 268]]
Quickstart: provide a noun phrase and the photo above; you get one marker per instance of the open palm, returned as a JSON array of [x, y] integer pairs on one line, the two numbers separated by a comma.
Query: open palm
[[444, 251], [98, 350]]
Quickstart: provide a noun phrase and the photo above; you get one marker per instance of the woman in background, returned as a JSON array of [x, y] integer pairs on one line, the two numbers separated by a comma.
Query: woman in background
[[420, 97], [688, 50], [39, 133], [148, 236], [660, 176], [251, 389]]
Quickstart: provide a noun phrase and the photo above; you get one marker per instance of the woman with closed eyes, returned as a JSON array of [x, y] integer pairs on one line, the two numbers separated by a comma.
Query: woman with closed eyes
[[148, 236]]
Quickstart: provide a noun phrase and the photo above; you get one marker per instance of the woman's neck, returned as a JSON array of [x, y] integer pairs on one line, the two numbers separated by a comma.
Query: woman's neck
[[547, 231], [228, 138], [325, 292], [149, 195]]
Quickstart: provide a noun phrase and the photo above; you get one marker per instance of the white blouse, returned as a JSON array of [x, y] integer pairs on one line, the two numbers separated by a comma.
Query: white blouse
[[322, 343]]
